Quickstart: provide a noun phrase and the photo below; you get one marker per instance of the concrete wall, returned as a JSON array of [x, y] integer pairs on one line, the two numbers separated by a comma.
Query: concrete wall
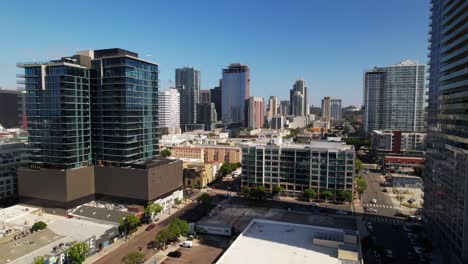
[[165, 179]]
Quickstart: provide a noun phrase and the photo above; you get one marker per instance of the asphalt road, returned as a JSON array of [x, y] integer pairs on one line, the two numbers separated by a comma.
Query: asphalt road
[[384, 205], [141, 240]]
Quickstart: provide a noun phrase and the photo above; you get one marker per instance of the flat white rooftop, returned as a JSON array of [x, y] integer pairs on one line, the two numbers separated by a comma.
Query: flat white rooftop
[[312, 145], [271, 242]]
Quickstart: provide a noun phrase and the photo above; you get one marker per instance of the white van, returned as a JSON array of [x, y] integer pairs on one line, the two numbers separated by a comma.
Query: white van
[[187, 244]]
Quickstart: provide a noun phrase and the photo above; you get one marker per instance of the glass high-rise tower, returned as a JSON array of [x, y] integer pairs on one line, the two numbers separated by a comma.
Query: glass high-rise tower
[[235, 90], [124, 107], [446, 174], [58, 107], [188, 82]]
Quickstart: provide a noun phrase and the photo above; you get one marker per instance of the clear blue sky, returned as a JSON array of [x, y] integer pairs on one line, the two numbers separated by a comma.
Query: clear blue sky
[[328, 43]]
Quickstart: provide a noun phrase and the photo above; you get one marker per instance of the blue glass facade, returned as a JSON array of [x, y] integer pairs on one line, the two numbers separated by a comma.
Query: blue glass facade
[[124, 115], [58, 110]]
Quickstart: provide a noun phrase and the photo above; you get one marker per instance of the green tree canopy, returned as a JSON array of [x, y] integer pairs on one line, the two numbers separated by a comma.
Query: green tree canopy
[[309, 194], [246, 191], [359, 165], [153, 209], [39, 260], [133, 258], [258, 193], [326, 194], [38, 226], [206, 200], [77, 252], [228, 168], [277, 190], [165, 153], [129, 222], [361, 186], [179, 226]]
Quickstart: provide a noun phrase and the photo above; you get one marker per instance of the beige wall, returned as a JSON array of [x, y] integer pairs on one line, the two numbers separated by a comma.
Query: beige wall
[[187, 152], [228, 154], [198, 174], [165, 178]]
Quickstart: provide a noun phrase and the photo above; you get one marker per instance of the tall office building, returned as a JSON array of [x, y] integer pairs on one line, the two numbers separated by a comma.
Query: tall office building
[[188, 83], [125, 107], [169, 111], [446, 173], [216, 98], [205, 96], [394, 97], [255, 112], [58, 107], [206, 114], [331, 110], [273, 105], [235, 90], [11, 108], [284, 108], [298, 99]]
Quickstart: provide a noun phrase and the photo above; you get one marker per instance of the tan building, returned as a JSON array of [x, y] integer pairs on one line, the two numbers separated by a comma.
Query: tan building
[[224, 154], [198, 175]]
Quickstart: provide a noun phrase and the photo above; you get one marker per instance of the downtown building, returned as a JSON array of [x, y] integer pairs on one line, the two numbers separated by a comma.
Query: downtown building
[[169, 112], [394, 97], [446, 173], [331, 110], [93, 120], [217, 98], [299, 102], [235, 91], [296, 167], [254, 112], [188, 82], [12, 113], [284, 108]]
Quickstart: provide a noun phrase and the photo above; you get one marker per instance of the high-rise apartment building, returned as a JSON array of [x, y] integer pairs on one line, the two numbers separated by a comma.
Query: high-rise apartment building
[[446, 173], [235, 90], [205, 96], [298, 98], [255, 112], [125, 107], [296, 167], [284, 108], [331, 110], [188, 82], [11, 108], [58, 106], [12, 156], [169, 111], [206, 114], [273, 105], [216, 98], [394, 97]]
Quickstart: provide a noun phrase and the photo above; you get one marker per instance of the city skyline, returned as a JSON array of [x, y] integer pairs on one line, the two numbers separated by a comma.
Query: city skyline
[[316, 58]]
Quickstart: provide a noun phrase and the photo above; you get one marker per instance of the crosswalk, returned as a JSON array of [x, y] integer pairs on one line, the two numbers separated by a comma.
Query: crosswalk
[[387, 220], [223, 192], [379, 206]]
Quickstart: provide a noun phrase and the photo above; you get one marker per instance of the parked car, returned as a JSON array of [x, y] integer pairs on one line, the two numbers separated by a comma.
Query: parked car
[[341, 212], [314, 204], [374, 201], [187, 244], [415, 218], [150, 227], [175, 254], [371, 210], [152, 245]]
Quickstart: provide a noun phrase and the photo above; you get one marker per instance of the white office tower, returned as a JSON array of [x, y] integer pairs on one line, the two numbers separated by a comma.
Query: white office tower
[[169, 112]]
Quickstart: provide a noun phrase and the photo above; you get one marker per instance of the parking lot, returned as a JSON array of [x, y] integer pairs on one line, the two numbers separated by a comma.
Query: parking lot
[[207, 251]]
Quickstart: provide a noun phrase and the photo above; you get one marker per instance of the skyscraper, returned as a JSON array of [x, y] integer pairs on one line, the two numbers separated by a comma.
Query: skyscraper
[[125, 107], [331, 110], [255, 112], [206, 114], [446, 173], [58, 107], [273, 105], [188, 83], [284, 108], [11, 108], [235, 90], [216, 98], [205, 96], [169, 111], [298, 98], [394, 97]]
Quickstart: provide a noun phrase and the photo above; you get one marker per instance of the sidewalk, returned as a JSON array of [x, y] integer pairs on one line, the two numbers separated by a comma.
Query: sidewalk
[[162, 216], [161, 255]]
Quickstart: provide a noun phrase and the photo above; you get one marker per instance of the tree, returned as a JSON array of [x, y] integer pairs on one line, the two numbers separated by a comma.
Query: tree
[[153, 209], [179, 226], [133, 258], [277, 190], [359, 165], [77, 252], [165, 153], [356, 142], [246, 191], [38, 226], [259, 193], [348, 196], [129, 223], [361, 186], [206, 200], [326, 194], [228, 168], [309, 194], [39, 260], [162, 236]]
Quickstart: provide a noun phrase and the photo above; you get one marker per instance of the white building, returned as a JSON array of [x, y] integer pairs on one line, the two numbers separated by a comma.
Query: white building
[[331, 110], [169, 111], [397, 141]]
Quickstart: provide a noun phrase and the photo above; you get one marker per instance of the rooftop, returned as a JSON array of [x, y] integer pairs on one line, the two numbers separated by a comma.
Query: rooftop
[[99, 214], [312, 145], [270, 242]]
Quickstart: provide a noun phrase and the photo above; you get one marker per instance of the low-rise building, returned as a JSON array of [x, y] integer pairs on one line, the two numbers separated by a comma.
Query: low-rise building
[[406, 181], [321, 124], [398, 141], [12, 156], [224, 154], [296, 167], [271, 242], [403, 165], [199, 175]]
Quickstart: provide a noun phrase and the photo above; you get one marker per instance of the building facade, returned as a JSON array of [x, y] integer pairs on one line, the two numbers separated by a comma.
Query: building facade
[[217, 98], [284, 108], [223, 154], [205, 96], [125, 107], [235, 90], [12, 156], [255, 112], [206, 113], [299, 99], [198, 175], [11, 108], [446, 172], [277, 122], [296, 167], [394, 97], [331, 110], [397, 141], [169, 112], [188, 82]]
